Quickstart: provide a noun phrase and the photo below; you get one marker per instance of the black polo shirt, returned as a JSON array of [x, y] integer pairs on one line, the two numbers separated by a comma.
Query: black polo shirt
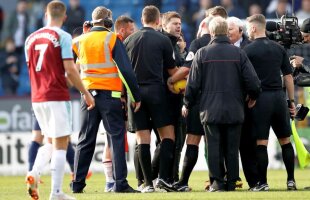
[[194, 47], [150, 53], [269, 60]]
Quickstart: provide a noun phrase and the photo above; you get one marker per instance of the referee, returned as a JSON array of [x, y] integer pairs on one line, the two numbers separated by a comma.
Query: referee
[[270, 60], [151, 53]]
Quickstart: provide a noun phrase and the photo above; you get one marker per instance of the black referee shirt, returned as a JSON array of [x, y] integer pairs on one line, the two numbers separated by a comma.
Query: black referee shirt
[[194, 47], [150, 53], [269, 60]]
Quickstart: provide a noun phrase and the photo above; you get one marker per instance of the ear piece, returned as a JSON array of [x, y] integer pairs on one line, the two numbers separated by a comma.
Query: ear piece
[[108, 23], [240, 30]]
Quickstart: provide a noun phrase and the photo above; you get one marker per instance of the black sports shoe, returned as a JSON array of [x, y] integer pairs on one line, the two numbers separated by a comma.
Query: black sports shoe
[[163, 185], [213, 189], [291, 185], [128, 190], [76, 190], [260, 187], [181, 188]]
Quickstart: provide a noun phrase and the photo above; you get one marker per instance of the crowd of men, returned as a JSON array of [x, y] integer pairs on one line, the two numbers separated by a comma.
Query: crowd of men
[[237, 88]]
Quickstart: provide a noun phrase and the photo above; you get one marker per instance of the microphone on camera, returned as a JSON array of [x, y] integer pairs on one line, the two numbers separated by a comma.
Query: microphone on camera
[[272, 26]]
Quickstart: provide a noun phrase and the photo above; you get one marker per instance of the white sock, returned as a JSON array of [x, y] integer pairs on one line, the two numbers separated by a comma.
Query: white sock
[[108, 171], [44, 156], [58, 170]]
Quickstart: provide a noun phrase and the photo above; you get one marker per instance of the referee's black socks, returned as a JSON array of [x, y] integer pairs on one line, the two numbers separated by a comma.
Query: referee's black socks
[[166, 158], [288, 159], [144, 155], [262, 162], [189, 163], [155, 162], [139, 173]]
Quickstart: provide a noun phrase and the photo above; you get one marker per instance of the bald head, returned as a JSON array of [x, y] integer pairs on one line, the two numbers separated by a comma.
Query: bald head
[[204, 26]]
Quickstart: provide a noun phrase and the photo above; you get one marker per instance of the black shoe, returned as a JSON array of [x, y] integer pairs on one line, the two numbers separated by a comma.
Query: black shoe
[[128, 190], [291, 185], [213, 189], [78, 191], [181, 187], [163, 185], [260, 187], [75, 190]]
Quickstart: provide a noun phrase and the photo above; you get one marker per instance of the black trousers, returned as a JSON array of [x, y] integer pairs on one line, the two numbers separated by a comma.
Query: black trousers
[[223, 148], [248, 151], [109, 110]]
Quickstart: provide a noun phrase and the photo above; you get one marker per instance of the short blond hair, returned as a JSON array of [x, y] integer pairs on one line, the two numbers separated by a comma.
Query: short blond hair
[[101, 13], [218, 26], [258, 19], [56, 9]]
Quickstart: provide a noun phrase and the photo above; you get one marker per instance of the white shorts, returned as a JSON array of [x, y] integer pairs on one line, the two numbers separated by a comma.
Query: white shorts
[[54, 117]]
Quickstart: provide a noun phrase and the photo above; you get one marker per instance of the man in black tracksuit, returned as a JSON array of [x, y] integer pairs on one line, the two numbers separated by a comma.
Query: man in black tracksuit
[[222, 75]]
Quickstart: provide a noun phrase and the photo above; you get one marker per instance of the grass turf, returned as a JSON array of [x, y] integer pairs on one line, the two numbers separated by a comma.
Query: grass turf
[[14, 188]]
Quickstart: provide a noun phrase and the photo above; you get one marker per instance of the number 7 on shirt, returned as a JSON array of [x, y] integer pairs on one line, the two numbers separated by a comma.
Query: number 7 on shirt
[[42, 48]]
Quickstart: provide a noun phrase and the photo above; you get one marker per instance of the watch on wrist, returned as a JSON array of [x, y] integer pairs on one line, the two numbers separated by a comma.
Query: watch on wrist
[[292, 100]]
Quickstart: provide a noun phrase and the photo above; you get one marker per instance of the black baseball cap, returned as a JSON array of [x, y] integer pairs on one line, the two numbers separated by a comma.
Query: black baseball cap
[[305, 27]]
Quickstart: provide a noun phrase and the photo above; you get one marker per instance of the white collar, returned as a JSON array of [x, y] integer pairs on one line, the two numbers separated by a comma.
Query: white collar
[[238, 43]]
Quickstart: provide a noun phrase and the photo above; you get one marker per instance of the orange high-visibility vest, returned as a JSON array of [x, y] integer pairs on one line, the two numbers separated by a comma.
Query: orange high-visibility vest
[[98, 69]]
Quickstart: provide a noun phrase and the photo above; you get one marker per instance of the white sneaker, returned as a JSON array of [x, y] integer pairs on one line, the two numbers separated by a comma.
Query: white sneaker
[[32, 179], [140, 187], [61, 196], [148, 189]]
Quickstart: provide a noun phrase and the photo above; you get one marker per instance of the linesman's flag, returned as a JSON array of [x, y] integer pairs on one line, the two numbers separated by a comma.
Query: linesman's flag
[[302, 153]]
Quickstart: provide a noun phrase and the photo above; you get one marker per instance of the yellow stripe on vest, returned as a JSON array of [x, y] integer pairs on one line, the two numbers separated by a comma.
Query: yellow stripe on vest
[[116, 94]]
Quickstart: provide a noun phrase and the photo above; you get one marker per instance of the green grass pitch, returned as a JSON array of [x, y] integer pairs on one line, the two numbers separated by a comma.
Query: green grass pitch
[[14, 188]]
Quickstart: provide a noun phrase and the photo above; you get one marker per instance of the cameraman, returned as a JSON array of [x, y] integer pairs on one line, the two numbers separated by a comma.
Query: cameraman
[[300, 62], [269, 60]]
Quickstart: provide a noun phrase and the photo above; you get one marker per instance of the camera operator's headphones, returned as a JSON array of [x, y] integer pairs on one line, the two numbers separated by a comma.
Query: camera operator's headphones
[[107, 22]]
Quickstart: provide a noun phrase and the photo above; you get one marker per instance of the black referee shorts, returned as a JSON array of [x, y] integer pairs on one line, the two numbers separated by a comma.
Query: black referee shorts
[[193, 123], [154, 106], [271, 110]]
